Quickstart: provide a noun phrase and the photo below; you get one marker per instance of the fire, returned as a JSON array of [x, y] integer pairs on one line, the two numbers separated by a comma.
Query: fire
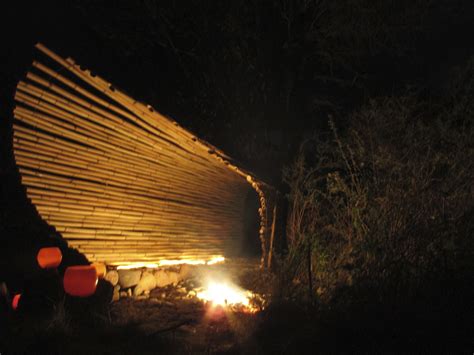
[[217, 291], [226, 295], [214, 260]]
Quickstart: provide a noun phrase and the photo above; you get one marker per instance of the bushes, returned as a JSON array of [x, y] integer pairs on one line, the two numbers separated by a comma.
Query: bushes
[[384, 207]]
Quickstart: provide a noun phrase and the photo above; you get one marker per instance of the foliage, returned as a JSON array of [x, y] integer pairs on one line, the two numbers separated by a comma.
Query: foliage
[[385, 206]]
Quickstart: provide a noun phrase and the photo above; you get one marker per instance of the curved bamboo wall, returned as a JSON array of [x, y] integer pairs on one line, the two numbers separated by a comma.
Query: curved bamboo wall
[[118, 180]]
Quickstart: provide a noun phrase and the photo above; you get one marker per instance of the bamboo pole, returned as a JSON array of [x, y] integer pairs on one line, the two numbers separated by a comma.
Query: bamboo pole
[[120, 181]]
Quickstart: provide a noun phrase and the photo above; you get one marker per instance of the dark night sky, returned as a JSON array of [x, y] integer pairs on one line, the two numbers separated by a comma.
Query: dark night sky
[[112, 41], [149, 73]]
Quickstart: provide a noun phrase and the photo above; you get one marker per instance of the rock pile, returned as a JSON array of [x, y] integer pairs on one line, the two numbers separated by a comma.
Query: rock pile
[[139, 283]]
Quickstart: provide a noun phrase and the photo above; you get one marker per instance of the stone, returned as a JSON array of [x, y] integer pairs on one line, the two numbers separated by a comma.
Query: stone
[[173, 277], [123, 294], [161, 277], [146, 283], [112, 276], [129, 278], [164, 278], [186, 272]]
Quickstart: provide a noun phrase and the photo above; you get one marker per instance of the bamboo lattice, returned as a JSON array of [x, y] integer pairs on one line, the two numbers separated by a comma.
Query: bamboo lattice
[[121, 182]]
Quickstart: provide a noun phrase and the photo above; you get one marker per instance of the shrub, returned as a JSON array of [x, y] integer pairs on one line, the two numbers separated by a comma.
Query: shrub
[[386, 206]]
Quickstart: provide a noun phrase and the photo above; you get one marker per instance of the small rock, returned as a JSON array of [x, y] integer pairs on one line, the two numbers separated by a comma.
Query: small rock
[[123, 294], [112, 276], [129, 278], [129, 292]]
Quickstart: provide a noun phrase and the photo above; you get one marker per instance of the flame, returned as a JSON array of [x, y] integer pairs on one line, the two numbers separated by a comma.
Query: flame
[[225, 295], [211, 261]]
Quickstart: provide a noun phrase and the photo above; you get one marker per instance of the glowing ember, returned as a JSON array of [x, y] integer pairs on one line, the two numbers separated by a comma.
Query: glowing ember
[[225, 295], [211, 261]]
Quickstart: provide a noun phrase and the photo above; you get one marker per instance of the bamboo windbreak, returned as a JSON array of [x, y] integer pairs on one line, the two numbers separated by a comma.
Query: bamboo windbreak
[[121, 182]]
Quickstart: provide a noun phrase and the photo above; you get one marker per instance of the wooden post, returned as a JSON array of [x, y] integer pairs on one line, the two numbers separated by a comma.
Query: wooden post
[[310, 273], [272, 237]]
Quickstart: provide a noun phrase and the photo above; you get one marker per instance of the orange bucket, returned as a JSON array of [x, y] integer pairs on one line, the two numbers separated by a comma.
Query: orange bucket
[[49, 258], [80, 281]]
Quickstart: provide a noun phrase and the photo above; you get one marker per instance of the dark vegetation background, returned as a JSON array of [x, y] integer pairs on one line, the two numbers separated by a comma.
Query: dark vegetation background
[[360, 112]]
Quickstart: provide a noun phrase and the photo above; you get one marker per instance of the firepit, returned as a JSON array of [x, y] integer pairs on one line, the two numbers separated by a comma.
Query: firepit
[[212, 284], [206, 310]]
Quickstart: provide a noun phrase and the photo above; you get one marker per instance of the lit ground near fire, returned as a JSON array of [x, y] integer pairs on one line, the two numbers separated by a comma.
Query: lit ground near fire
[[180, 322], [170, 319], [182, 326]]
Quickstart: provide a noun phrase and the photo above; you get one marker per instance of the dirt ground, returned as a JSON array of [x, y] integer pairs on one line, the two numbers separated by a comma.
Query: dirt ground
[[186, 326], [138, 327]]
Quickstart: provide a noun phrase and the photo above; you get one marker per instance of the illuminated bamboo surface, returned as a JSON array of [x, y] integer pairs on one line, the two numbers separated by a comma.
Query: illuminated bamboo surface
[[121, 182]]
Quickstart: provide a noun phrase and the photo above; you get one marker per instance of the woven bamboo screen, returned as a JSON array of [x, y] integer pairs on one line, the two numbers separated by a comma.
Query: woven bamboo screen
[[118, 180]]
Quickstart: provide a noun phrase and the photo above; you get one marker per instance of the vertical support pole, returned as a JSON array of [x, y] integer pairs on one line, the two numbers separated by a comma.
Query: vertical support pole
[[310, 274], [272, 236]]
